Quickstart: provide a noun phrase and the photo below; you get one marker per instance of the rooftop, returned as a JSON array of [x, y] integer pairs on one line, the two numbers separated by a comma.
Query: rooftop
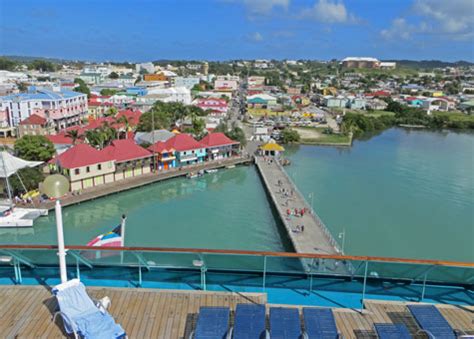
[[125, 149], [81, 155], [34, 119]]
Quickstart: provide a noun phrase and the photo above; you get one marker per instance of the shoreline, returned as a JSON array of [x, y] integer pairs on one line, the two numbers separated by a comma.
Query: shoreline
[[140, 181]]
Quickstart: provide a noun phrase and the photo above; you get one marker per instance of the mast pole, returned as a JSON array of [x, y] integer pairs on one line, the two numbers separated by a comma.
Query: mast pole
[[9, 189]]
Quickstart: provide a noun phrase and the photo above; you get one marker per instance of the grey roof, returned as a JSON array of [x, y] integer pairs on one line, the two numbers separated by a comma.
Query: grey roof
[[149, 137]]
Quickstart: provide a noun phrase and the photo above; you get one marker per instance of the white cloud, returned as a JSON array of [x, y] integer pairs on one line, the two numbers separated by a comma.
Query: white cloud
[[255, 37], [399, 29], [453, 19], [264, 7], [330, 12]]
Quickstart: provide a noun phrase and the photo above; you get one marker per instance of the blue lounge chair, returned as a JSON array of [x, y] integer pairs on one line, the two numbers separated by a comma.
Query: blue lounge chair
[[431, 321], [284, 323], [249, 322], [81, 316], [392, 331], [212, 323], [319, 323]]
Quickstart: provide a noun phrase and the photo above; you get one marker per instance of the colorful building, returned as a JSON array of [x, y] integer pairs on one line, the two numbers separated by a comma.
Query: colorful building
[[187, 150], [63, 108], [219, 146]]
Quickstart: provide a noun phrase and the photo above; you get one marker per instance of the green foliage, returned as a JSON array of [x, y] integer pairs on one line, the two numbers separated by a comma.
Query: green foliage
[[31, 177], [198, 126], [108, 91], [73, 134], [82, 88], [34, 148], [113, 75], [165, 114], [101, 137], [112, 111], [42, 65], [289, 136], [7, 64], [237, 134]]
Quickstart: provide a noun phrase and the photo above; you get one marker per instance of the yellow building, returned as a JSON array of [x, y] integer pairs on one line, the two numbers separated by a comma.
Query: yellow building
[[271, 148]]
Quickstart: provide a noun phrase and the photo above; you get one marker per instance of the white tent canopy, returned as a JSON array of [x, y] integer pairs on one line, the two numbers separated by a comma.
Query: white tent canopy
[[10, 164]]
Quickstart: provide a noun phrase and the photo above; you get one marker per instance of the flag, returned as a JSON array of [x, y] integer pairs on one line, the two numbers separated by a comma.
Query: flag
[[111, 239]]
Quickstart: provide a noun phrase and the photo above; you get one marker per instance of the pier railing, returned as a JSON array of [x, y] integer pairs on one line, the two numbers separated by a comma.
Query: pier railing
[[320, 223], [242, 270]]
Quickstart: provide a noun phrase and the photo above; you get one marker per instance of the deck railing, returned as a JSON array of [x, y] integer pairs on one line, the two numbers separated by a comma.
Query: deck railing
[[248, 270]]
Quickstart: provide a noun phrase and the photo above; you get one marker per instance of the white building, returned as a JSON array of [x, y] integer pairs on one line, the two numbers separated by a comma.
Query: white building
[[172, 94], [62, 107], [187, 82], [7, 76], [147, 66], [225, 85]]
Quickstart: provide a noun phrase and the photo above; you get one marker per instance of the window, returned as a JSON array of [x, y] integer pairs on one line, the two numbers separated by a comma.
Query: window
[[77, 171], [99, 167], [88, 169]]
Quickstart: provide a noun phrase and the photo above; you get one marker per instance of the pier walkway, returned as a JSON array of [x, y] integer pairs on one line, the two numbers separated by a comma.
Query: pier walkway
[[142, 180], [315, 238]]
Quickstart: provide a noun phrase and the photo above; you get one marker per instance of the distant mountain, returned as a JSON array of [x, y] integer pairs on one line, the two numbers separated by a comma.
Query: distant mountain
[[431, 63]]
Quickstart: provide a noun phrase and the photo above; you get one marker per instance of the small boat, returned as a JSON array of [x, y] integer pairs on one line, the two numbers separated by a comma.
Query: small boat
[[214, 170], [192, 175], [231, 166]]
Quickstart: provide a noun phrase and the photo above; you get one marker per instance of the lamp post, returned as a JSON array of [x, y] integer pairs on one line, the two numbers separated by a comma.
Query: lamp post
[[55, 186]]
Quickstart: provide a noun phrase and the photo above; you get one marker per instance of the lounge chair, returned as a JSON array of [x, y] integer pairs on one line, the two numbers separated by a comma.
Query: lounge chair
[[81, 316], [320, 323], [249, 322], [431, 321], [392, 331], [284, 323], [212, 323]]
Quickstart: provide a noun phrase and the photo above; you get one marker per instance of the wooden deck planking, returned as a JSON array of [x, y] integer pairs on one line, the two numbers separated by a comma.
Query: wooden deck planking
[[26, 311]]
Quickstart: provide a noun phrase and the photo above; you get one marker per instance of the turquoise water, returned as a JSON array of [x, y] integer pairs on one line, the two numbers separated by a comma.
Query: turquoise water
[[402, 193], [227, 209]]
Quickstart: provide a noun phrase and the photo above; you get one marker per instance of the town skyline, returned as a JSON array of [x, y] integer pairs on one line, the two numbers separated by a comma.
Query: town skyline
[[232, 29]]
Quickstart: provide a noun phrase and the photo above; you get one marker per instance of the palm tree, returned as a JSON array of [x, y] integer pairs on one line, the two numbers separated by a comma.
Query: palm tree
[[126, 121], [73, 134]]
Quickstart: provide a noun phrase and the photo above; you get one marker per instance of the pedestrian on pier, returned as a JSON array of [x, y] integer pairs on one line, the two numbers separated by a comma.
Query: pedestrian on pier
[[302, 228]]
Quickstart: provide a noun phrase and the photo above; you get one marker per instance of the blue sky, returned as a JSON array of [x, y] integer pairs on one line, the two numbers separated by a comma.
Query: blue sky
[[142, 30]]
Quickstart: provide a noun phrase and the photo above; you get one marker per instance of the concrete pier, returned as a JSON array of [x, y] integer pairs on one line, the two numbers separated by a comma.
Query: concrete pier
[[315, 238]]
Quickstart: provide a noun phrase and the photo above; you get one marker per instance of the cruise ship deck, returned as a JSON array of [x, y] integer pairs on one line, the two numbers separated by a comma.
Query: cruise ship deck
[[26, 312]]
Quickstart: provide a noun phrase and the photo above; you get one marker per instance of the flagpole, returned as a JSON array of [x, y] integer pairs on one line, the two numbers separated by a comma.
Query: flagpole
[[122, 231]]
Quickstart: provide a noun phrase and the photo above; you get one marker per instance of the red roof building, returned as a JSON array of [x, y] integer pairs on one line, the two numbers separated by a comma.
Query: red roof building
[[60, 139], [217, 139], [34, 119], [219, 146], [180, 142], [126, 150], [212, 104], [81, 155], [133, 116]]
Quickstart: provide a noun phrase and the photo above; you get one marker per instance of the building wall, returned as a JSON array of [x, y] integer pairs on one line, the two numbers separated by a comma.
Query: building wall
[[106, 168], [199, 154]]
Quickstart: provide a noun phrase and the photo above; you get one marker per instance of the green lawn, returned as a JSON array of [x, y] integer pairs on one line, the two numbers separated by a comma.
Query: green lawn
[[456, 116]]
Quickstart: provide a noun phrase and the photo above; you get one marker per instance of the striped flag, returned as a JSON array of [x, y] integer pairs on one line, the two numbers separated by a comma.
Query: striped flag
[[111, 239]]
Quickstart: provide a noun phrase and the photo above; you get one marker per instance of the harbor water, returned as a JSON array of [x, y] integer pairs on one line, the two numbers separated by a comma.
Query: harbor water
[[403, 193]]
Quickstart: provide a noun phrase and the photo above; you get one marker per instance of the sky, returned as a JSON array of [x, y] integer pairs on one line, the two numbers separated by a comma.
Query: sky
[[145, 30]]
